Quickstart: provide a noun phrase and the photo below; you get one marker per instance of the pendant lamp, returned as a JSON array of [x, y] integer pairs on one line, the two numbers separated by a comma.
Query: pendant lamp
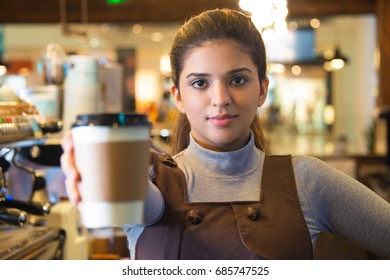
[[336, 62]]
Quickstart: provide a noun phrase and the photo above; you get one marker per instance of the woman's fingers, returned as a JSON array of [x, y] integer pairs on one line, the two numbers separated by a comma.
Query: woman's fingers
[[68, 166], [72, 190]]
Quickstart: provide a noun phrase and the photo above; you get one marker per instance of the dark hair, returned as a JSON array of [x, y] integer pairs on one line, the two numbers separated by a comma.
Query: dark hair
[[211, 26]]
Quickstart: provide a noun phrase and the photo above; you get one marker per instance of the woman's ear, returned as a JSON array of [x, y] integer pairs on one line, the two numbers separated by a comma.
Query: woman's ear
[[263, 91], [177, 97]]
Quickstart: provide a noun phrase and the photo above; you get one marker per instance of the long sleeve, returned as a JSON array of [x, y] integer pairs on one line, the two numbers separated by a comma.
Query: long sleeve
[[154, 204], [336, 203], [153, 209]]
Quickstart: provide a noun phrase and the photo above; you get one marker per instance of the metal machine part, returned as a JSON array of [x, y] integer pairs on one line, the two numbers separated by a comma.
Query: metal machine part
[[31, 243], [17, 121], [13, 216]]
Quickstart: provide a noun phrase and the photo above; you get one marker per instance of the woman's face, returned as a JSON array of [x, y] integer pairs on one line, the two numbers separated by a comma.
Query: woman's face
[[220, 92]]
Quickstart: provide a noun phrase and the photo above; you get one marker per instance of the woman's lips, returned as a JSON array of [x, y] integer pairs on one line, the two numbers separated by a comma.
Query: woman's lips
[[222, 120]]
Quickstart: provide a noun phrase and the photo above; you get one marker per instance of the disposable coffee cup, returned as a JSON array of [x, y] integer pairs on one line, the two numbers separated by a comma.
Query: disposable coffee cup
[[112, 156]]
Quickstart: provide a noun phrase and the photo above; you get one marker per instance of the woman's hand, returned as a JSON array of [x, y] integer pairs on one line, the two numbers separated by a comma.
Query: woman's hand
[[69, 168]]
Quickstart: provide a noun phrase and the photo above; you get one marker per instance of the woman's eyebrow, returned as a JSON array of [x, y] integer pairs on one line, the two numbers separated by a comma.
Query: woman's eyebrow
[[201, 75], [244, 69], [197, 75]]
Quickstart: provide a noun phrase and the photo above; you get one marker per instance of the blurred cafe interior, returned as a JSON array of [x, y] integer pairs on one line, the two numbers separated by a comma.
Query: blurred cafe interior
[[329, 97]]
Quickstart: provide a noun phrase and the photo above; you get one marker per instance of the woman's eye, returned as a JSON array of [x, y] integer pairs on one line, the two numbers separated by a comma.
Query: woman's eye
[[238, 80], [199, 83]]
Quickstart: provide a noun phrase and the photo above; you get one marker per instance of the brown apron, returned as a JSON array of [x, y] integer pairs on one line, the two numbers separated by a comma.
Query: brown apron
[[272, 227]]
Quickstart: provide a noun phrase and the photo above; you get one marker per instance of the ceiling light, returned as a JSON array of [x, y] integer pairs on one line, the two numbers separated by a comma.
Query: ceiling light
[[3, 70], [137, 28], [157, 37], [315, 23], [94, 42], [267, 14], [3, 67], [336, 62], [296, 70]]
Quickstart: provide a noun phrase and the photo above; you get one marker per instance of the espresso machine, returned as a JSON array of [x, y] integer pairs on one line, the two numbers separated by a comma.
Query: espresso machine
[[36, 226], [22, 234], [32, 224]]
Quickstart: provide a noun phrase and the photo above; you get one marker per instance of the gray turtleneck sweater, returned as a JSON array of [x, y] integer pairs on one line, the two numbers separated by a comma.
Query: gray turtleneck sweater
[[330, 200]]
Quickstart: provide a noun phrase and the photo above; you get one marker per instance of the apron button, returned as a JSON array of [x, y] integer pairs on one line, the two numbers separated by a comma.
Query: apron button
[[194, 217], [253, 213], [168, 160]]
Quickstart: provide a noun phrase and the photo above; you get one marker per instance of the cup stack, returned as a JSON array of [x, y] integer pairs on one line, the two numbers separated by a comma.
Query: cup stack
[[82, 89]]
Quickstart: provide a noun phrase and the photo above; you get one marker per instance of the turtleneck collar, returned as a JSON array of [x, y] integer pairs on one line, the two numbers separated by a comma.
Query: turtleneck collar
[[234, 163]]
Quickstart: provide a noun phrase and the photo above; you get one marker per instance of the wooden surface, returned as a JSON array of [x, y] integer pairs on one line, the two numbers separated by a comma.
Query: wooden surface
[[383, 24], [159, 10]]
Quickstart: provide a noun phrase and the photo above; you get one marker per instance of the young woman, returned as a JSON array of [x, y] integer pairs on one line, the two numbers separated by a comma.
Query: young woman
[[222, 196]]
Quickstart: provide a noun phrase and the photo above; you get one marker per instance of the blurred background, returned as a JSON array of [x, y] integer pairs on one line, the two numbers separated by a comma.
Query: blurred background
[[315, 106], [329, 91]]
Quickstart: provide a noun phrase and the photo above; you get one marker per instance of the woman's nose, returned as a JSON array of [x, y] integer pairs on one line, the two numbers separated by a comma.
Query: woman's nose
[[220, 95]]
